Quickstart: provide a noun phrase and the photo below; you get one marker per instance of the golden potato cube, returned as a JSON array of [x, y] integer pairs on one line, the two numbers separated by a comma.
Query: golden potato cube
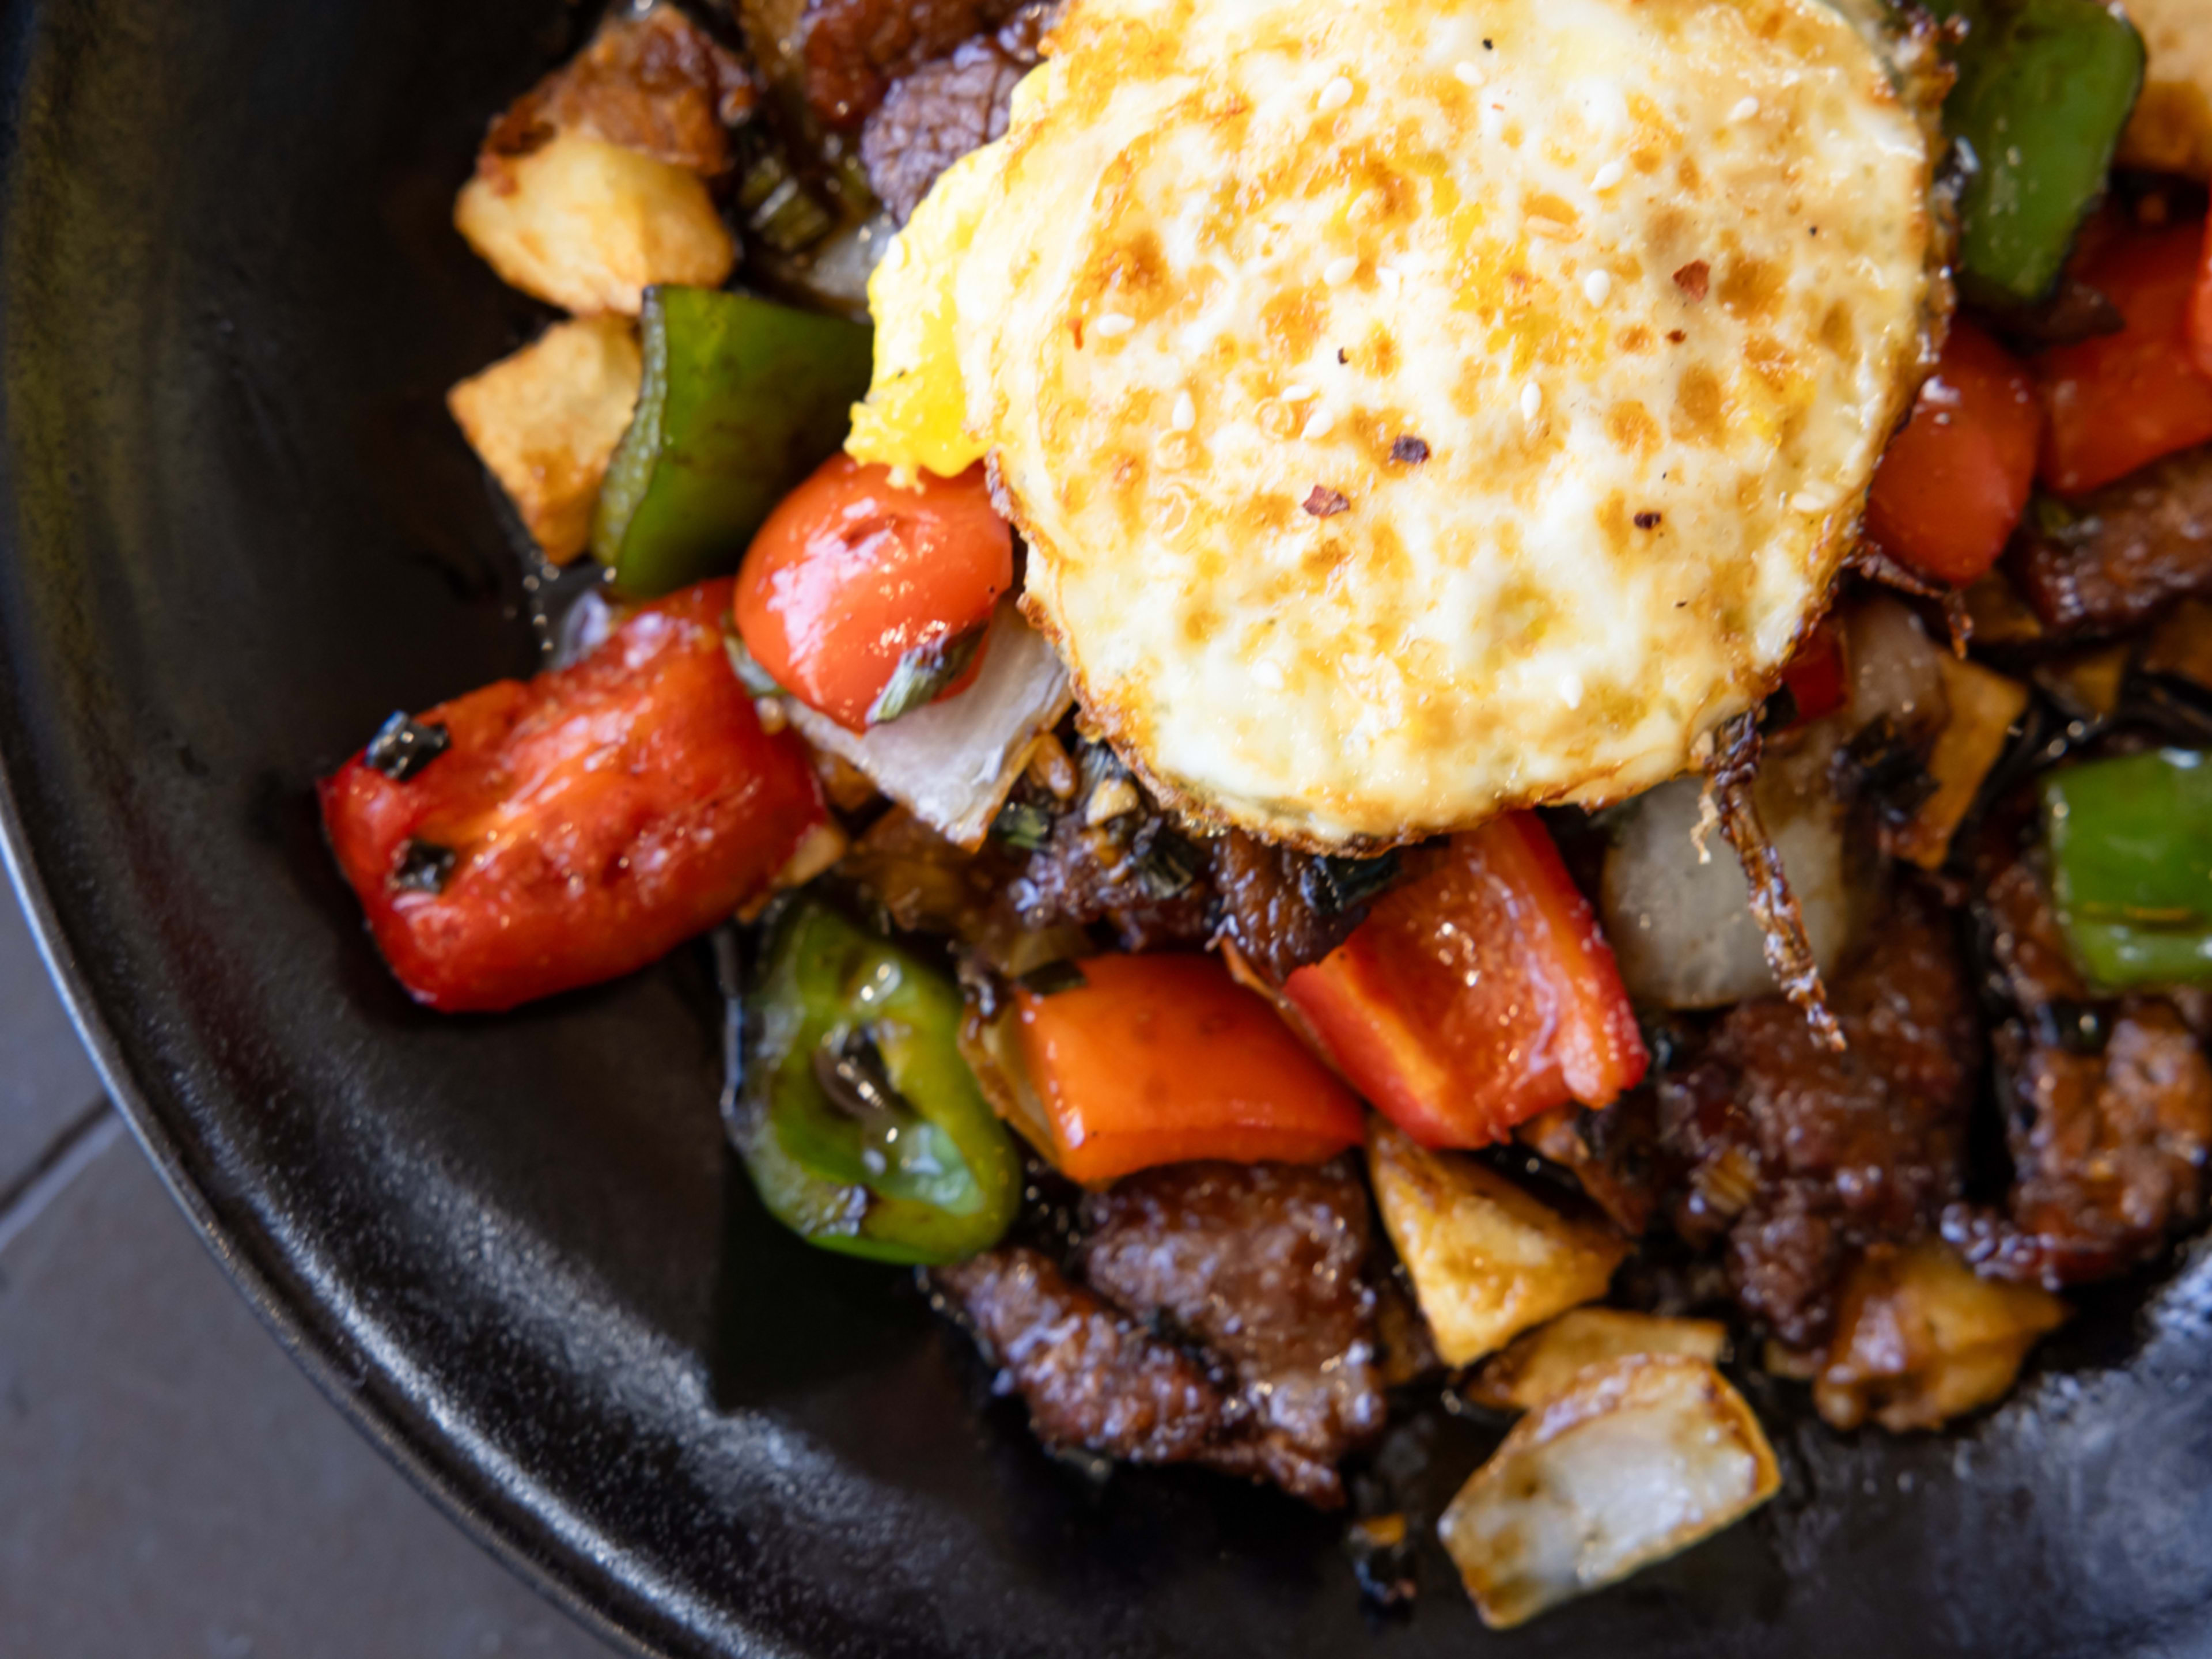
[[2170, 130], [1984, 705], [546, 421], [1488, 1261], [1639, 1459], [1546, 1361], [1921, 1337], [589, 226]]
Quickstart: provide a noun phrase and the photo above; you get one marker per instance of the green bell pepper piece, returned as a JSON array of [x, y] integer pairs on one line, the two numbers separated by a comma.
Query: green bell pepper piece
[[741, 400], [2131, 866], [2044, 89], [862, 1126]]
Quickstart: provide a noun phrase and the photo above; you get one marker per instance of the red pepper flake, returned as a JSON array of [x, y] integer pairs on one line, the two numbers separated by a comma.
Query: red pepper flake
[[1409, 449], [1694, 279], [1647, 520], [1676, 336], [1326, 503]]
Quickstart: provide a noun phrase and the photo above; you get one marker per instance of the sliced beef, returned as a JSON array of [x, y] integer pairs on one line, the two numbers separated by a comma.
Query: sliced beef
[[930, 118], [657, 84], [2108, 1149], [1135, 872], [1797, 1153], [851, 51], [1090, 1375], [2108, 1105], [2132, 547], [1222, 1315], [1265, 1265], [1284, 909]]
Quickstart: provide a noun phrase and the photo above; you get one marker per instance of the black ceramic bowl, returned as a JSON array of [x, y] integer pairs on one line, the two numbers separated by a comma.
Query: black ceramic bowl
[[239, 530]]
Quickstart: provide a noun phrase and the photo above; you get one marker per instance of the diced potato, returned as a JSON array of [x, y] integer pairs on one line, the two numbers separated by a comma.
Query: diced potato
[[1488, 1261], [2172, 128], [2086, 683], [1921, 1337], [546, 421], [589, 226], [2180, 647], [1545, 1362], [1984, 705], [1998, 615], [1639, 1459]]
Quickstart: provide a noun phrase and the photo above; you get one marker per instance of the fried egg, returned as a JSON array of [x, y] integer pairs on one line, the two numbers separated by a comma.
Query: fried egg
[[1421, 408]]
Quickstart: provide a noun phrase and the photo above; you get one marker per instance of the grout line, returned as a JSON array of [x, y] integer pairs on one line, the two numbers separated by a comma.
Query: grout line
[[95, 1130]]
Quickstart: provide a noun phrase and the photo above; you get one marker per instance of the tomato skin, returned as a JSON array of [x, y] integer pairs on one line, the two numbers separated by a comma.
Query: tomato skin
[[598, 817], [1954, 482], [1164, 1059], [851, 572], [1477, 995], [2120, 402]]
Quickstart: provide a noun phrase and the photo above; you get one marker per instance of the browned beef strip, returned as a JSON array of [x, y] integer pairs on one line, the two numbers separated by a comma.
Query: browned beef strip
[[1800, 1152], [1227, 1320], [1112, 872], [657, 84], [2135, 545], [933, 117], [1265, 1265], [1090, 1376], [2108, 1149], [1267, 906], [2108, 1144], [851, 51]]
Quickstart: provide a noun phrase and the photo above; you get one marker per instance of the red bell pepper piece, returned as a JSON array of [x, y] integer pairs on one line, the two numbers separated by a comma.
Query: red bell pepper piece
[[575, 826], [2200, 309], [1164, 1059], [2120, 402], [1815, 675], [1954, 482], [1477, 995]]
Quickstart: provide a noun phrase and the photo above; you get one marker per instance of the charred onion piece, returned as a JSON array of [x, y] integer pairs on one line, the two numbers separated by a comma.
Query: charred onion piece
[[1789, 953]]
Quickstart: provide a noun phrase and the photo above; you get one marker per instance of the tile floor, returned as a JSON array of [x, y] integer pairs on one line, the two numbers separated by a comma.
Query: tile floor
[[170, 1487]]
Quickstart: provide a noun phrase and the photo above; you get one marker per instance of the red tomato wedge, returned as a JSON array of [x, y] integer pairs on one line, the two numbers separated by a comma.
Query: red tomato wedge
[[858, 595], [1954, 482], [2200, 309], [1165, 1059], [576, 826], [2120, 402], [1477, 995]]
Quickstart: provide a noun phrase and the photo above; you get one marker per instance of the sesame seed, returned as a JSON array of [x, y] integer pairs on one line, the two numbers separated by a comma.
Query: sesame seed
[[1532, 400], [1318, 425], [1296, 394], [1610, 175], [1335, 96], [1269, 673], [1113, 325], [1811, 501], [1597, 287], [1338, 271], [1185, 415], [1745, 109], [1469, 75], [1570, 690]]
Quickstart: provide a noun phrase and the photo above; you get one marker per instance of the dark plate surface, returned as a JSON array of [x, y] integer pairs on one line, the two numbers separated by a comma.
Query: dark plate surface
[[237, 531]]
